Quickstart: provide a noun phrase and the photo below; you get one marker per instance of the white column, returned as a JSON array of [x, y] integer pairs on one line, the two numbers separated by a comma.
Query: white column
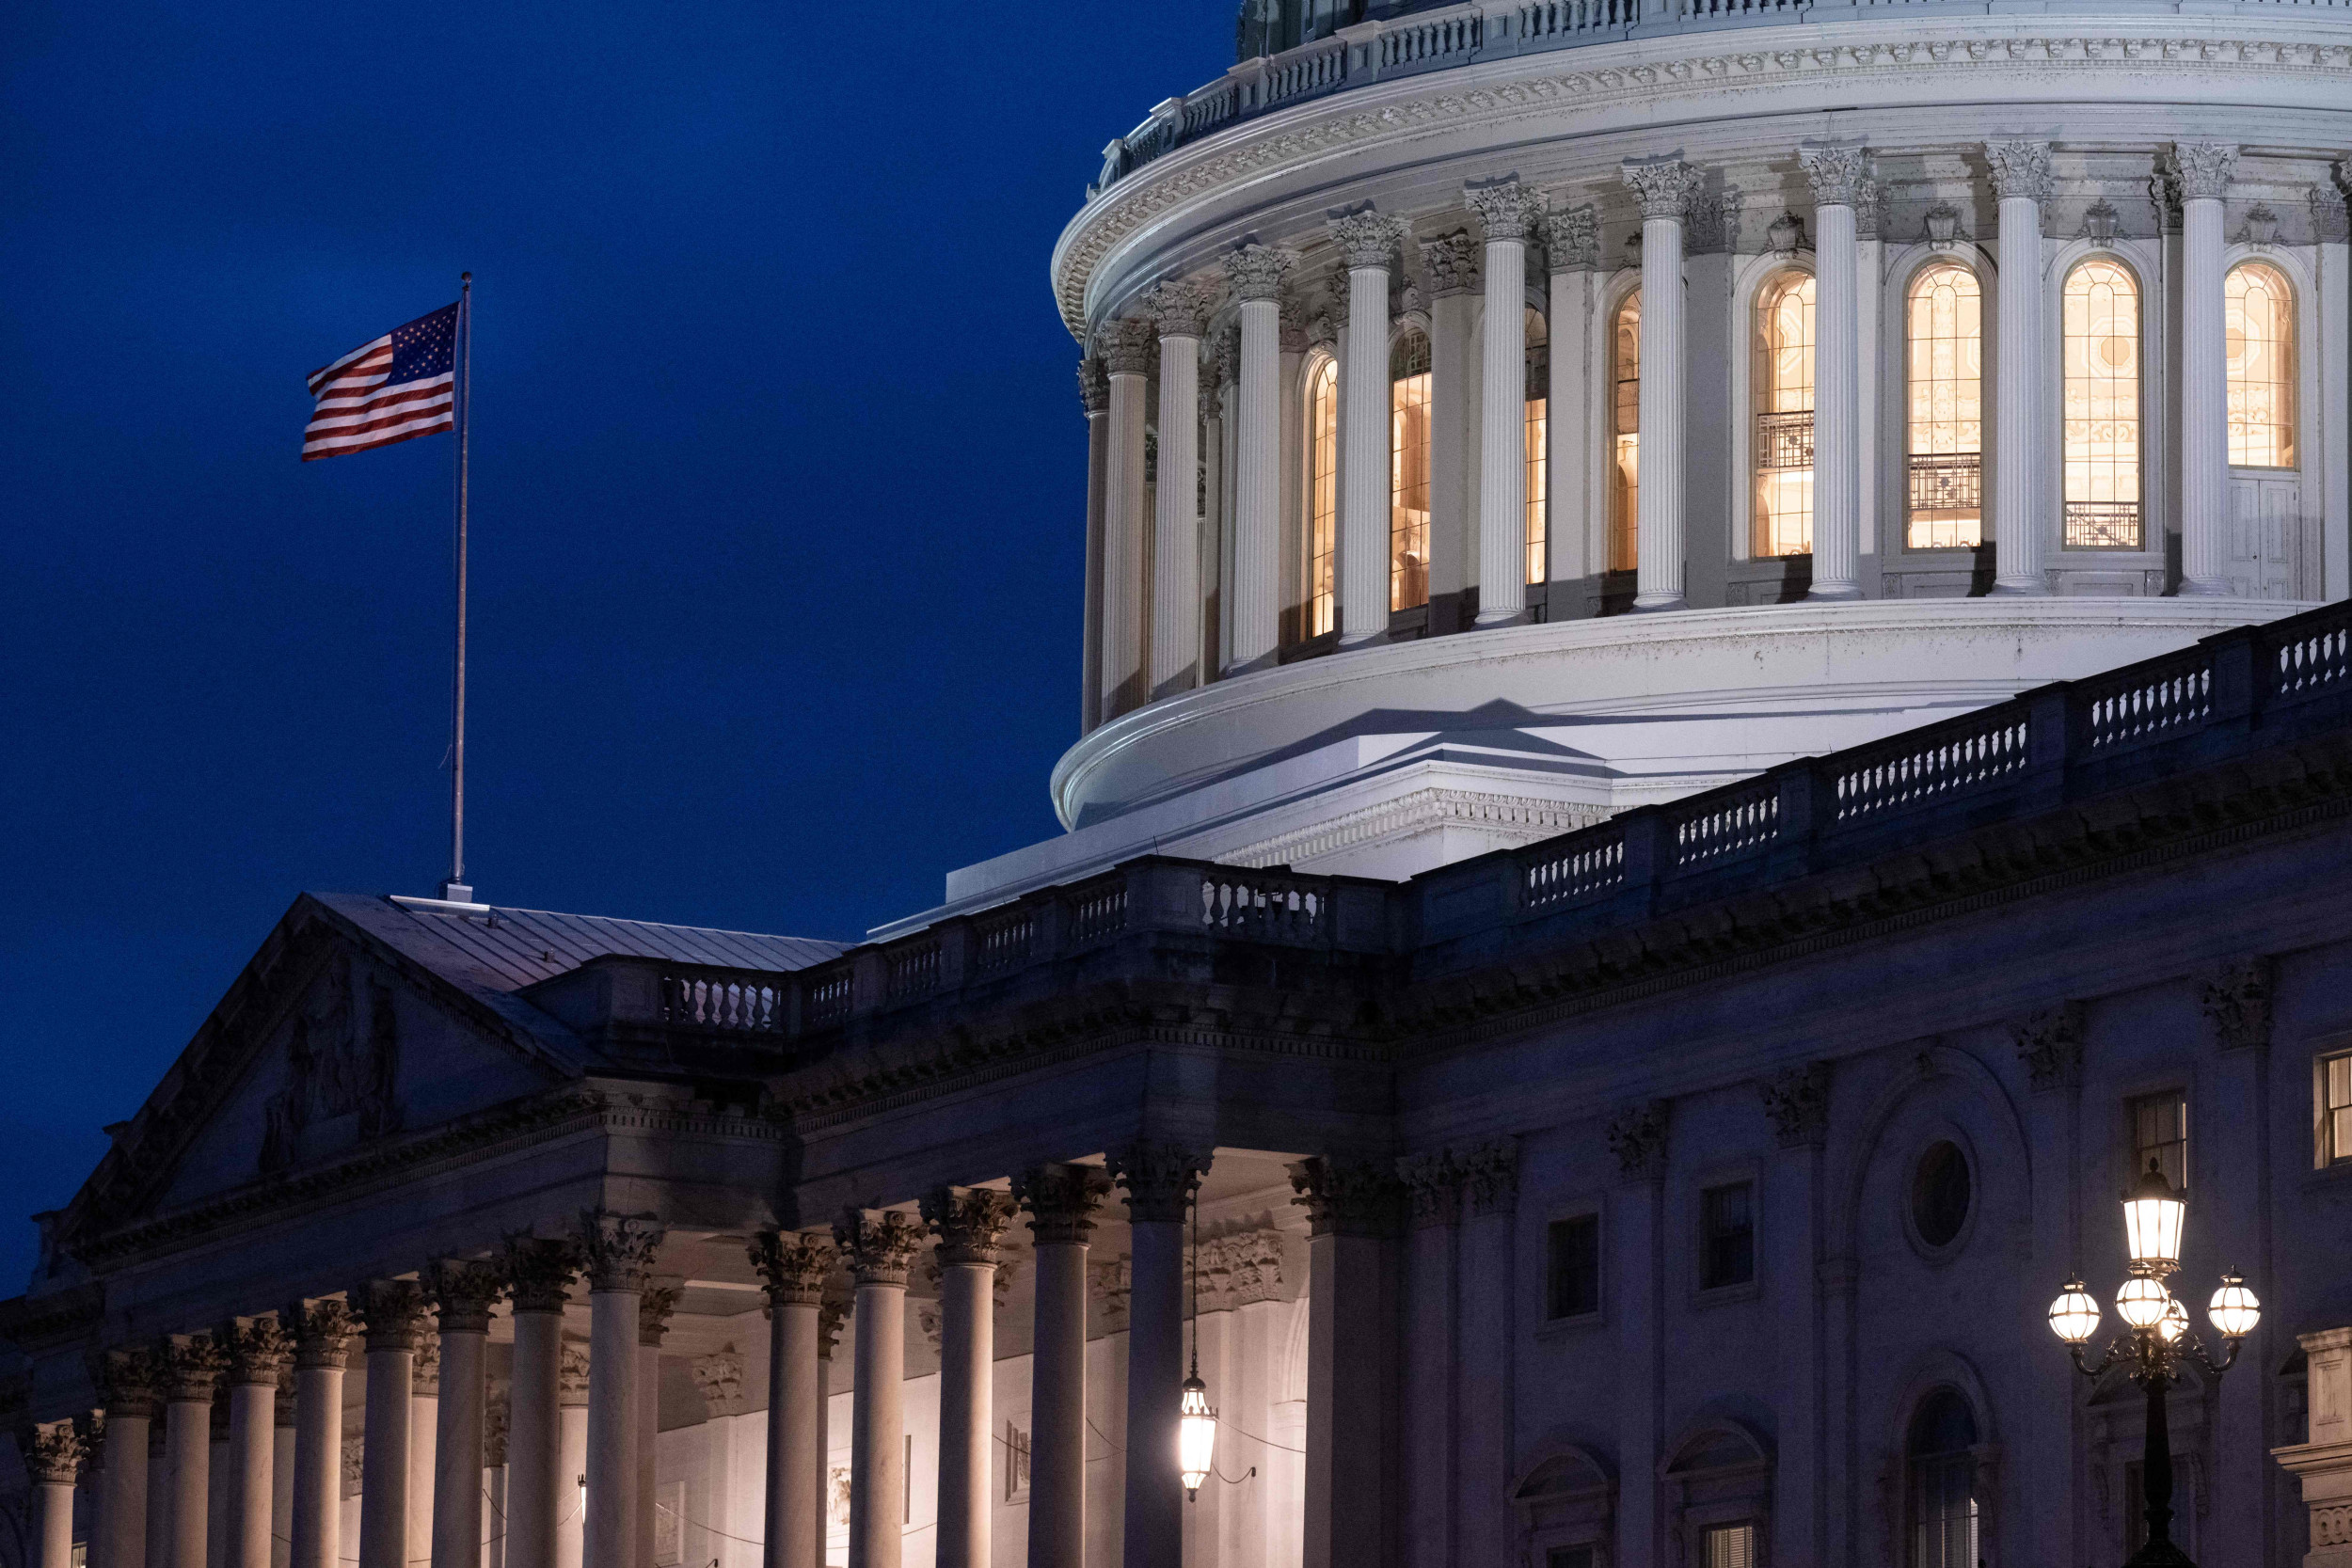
[[2021, 177], [571, 1458], [158, 1544], [879, 1245], [1665, 187], [1450, 267], [192, 1366], [1256, 273], [1367, 241], [258, 1350], [653, 1323], [462, 1295], [1572, 245], [1352, 1209], [53, 1455], [1216, 583], [283, 1442], [1094, 396], [322, 1335], [128, 1379], [2204, 169], [1870, 270], [1178, 309], [971, 1224], [1126, 351], [539, 1491], [794, 1268], [831, 1317], [425, 1439], [1159, 1179], [394, 1310], [2329, 229], [618, 1252], [497, 1436], [1507, 212], [1836, 174], [1060, 1200]]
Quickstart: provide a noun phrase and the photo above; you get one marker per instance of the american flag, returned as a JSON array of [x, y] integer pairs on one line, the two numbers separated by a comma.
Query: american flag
[[399, 386]]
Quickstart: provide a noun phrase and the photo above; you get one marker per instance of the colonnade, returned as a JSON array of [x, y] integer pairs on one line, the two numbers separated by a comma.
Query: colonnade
[[1133, 656]]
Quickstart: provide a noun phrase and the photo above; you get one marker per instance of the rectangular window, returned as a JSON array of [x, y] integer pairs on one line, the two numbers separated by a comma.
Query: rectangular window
[[1731, 1547], [1944, 426], [1569, 1556], [1410, 434], [2160, 1132], [1538, 469], [2335, 1109], [1572, 1267], [1728, 1228]]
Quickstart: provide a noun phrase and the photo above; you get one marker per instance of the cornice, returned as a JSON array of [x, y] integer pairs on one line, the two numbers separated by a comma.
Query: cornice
[[1495, 95]]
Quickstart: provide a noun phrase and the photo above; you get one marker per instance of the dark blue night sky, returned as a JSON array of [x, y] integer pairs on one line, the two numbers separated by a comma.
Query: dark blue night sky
[[778, 480]]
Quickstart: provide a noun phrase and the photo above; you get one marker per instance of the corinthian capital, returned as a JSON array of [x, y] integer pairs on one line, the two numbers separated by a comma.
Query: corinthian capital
[[1159, 1178], [2203, 169], [541, 1271], [1837, 173], [128, 1380], [793, 1265], [257, 1348], [619, 1248], [1367, 238], [1181, 308], [1094, 384], [2021, 169], [1572, 239], [970, 1222], [393, 1311], [878, 1244], [53, 1451], [1665, 187], [463, 1292], [192, 1367], [1061, 1200], [1126, 347], [1506, 210], [321, 1331], [1256, 271], [1348, 1197]]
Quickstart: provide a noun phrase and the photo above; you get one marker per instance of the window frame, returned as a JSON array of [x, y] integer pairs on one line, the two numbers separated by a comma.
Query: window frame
[[2133, 1164], [1767, 274], [1978, 266], [1624, 286], [1736, 1173], [2325, 1155], [1404, 328], [1599, 1314], [1942, 1131], [1320, 358], [2066, 265], [1912, 1464], [2235, 260]]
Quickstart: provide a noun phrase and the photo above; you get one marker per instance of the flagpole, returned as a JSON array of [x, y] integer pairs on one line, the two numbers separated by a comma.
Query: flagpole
[[455, 888]]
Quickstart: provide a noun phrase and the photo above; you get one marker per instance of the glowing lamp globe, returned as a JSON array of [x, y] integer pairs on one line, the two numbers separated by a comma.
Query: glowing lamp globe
[[2141, 1301], [1196, 1435], [2074, 1316], [2234, 1311], [2174, 1322], [2153, 1212]]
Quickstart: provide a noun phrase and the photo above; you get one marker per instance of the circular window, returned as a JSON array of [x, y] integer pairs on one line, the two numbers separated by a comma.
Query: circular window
[[1940, 1194]]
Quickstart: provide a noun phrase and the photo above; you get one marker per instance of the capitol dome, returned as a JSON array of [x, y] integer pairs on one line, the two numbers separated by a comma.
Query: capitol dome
[[1587, 402]]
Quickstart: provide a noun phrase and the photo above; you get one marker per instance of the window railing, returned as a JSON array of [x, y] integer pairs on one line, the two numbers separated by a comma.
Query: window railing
[[1950, 481], [1784, 440], [2103, 524]]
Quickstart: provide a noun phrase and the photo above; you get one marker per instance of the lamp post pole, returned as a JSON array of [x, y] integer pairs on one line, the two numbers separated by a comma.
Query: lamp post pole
[[2155, 1340]]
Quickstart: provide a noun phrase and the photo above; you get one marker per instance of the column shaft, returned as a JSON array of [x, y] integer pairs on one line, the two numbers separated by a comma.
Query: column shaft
[[611, 1523], [1503, 436], [877, 1426], [1155, 1375], [1060, 1200], [1176, 530], [1257, 477], [1836, 449], [1488, 1332], [188, 1440], [1123, 535], [1658, 517], [2205, 399], [253, 1445], [318, 1466], [384, 1474], [1364, 442], [282, 1479], [1571, 240], [424, 1441], [796, 1532], [457, 1534], [2016, 505], [1095, 395], [55, 1507], [967, 1406], [122, 1500], [1352, 1397], [537, 1493]]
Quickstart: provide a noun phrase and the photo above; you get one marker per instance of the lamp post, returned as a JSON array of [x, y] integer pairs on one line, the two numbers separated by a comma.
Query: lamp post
[[2157, 1337]]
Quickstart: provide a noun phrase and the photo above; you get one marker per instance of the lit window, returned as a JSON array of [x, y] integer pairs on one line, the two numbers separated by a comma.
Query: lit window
[[2259, 316], [1945, 431], [1727, 1235], [2102, 419], [1323, 500], [1538, 448], [1625, 434], [2335, 1109], [1408, 473], [1572, 1267], [2160, 1132], [1784, 416], [1731, 1547], [1942, 1500]]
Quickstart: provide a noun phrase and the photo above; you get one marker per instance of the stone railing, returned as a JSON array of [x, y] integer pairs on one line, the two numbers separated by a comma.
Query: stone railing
[[1483, 30], [2228, 696]]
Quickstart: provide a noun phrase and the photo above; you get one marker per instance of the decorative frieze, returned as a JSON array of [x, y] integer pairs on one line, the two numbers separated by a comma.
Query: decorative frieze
[[2261, 228], [2202, 170], [1797, 1101], [1110, 1285], [2050, 1044], [2100, 222], [879, 1245], [1869, 210], [1491, 1174], [321, 1331], [1452, 263], [497, 1417], [2020, 168], [1094, 384], [1159, 1179], [1239, 1269], [793, 1265], [1367, 237], [1572, 239], [617, 1250], [257, 1350], [970, 1222], [1257, 271], [1433, 1187], [1060, 1200], [719, 1378], [1940, 226], [1637, 1137], [2236, 999], [355, 1454], [192, 1364], [424, 1369], [571, 1375], [463, 1292], [1786, 235], [654, 1308], [391, 1311], [1506, 208], [1348, 1197], [1665, 187], [540, 1271], [1837, 172]]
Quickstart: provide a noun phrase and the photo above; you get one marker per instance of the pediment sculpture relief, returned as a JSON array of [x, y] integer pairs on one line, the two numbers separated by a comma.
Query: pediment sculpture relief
[[342, 1060]]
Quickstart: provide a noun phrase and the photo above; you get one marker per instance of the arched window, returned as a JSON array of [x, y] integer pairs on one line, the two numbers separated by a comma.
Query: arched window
[[2102, 419], [2258, 310], [1944, 433], [1539, 446], [1942, 1463], [1625, 433], [1323, 495], [1784, 416], [1408, 473]]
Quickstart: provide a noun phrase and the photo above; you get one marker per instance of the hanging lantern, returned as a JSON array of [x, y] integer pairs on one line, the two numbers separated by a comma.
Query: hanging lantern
[[2152, 1213], [2074, 1316], [1196, 1435], [2234, 1311]]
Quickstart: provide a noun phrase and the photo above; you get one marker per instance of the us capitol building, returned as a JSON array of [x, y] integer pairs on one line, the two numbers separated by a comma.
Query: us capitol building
[[1717, 704]]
